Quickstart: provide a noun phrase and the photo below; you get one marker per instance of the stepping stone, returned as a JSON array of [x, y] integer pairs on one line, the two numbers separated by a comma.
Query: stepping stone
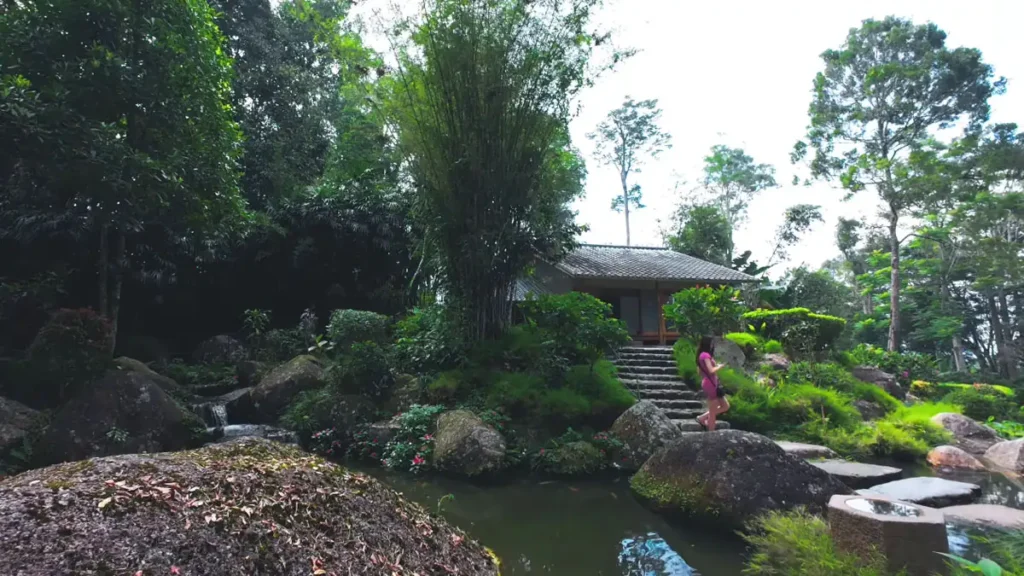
[[986, 516], [934, 492], [857, 475], [806, 451]]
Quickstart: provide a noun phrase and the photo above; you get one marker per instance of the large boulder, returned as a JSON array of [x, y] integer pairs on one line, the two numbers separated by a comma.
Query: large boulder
[[467, 446], [643, 429], [731, 477], [267, 401], [1008, 455], [869, 410], [968, 435], [953, 457], [883, 380], [406, 392], [121, 413], [245, 507], [776, 362], [16, 420], [168, 384], [729, 353], [221, 349]]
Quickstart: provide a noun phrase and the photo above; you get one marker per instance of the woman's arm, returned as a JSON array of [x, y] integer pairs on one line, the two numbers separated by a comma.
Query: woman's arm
[[710, 366]]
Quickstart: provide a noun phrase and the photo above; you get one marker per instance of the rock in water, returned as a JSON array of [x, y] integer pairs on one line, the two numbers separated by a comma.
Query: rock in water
[[883, 380], [16, 420], [969, 436], [644, 429], [465, 445], [934, 492], [731, 476], [265, 403], [857, 475], [247, 507], [220, 349], [953, 457], [729, 353], [1008, 455], [806, 451], [121, 413], [986, 516]]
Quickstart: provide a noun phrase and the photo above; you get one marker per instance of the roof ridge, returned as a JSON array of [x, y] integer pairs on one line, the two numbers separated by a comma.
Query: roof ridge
[[625, 247]]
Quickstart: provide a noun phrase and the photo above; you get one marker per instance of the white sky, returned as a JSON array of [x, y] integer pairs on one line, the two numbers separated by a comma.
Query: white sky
[[739, 73]]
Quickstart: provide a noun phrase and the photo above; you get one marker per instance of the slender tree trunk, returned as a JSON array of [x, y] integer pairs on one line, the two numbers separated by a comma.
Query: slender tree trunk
[[894, 285], [103, 272], [956, 341], [625, 205], [996, 326], [1007, 336], [118, 280]]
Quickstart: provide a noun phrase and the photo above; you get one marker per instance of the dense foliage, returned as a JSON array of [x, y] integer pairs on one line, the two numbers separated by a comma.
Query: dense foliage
[[803, 332], [704, 311], [581, 326], [73, 349]]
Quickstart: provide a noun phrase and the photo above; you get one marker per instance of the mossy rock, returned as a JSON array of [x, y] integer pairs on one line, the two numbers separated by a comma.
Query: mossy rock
[[268, 400], [123, 412], [573, 459], [731, 477], [168, 384], [251, 506], [464, 445]]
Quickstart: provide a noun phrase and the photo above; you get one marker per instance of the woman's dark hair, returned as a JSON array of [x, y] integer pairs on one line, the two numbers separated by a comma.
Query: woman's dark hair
[[707, 344]]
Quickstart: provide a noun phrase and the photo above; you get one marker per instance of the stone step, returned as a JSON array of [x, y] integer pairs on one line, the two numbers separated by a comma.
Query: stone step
[[643, 356], [641, 362], [677, 404], [662, 385], [692, 426], [666, 378], [646, 349], [665, 370], [687, 414], [656, 394]]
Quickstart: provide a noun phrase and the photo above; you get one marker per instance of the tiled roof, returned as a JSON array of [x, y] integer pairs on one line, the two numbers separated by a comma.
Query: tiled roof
[[529, 285], [642, 263]]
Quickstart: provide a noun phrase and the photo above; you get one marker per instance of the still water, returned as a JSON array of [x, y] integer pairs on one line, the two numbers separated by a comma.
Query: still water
[[586, 528]]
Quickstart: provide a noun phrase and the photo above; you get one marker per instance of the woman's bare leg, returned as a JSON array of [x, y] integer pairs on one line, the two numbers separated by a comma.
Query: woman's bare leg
[[712, 415]]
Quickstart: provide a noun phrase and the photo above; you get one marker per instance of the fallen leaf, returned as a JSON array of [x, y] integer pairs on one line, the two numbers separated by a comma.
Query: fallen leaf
[[103, 504], [175, 570]]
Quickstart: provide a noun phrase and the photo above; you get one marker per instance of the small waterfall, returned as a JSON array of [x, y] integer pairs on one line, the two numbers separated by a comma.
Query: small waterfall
[[220, 414], [214, 414], [223, 434]]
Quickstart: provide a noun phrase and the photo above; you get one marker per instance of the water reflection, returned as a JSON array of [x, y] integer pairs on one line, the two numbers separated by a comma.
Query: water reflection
[[883, 508], [650, 555]]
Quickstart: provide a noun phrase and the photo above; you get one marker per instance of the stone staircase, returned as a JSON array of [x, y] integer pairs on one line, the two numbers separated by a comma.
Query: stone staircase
[[650, 373]]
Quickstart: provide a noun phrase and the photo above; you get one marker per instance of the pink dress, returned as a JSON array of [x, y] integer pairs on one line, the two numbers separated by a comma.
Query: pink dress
[[710, 384]]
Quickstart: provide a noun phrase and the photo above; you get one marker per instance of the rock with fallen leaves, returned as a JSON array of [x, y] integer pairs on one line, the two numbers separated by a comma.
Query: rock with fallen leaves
[[247, 507]]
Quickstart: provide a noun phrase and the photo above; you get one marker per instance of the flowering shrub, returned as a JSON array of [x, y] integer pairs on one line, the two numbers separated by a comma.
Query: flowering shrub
[[701, 311], [326, 443], [413, 443]]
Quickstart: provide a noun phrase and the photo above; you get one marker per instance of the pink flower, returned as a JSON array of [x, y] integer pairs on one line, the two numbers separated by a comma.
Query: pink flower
[[906, 373], [428, 437], [541, 450], [373, 454], [418, 460]]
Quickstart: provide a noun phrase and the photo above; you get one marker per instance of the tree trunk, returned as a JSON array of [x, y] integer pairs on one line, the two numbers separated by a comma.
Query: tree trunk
[[957, 342], [894, 285], [102, 272], [625, 205], [996, 326], [118, 279], [1010, 358]]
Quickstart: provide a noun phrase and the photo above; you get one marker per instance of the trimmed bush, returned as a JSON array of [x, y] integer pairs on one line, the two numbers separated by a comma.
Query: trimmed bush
[[73, 349], [750, 343], [981, 405], [350, 326], [800, 330], [703, 311], [581, 326], [773, 347]]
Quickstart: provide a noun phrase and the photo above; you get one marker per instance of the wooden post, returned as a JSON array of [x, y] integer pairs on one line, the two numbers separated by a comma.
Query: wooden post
[[661, 315]]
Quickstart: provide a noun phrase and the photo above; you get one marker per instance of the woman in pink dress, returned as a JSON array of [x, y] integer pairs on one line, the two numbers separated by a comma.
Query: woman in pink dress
[[706, 365]]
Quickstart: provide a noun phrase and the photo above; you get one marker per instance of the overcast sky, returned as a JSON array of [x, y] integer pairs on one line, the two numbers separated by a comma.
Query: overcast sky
[[739, 73]]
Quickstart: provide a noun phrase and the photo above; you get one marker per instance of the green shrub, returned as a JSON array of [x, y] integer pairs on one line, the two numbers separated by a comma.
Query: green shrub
[[773, 347], [792, 543], [569, 459], [428, 341], [703, 311], [363, 370], [834, 376], [563, 406], [979, 405], [71, 350], [905, 366], [750, 343], [581, 326], [685, 353], [312, 411], [445, 388], [801, 331], [517, 393], [280, 345], [523, 349], [599, 383], [1007, 429], [200, 375], [413, 443], [348, 327]]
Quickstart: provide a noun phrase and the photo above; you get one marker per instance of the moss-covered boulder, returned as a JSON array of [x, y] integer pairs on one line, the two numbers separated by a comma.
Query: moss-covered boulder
[[643, 429], [168, 384], [268, 400], [571, 459], [121, 413], [246, 507], [731, 477], [16, 420], [220, 349], [466, 446]]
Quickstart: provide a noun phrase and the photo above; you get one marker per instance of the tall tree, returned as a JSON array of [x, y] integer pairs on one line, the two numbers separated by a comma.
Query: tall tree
[[131, 108], [702, 231], [624, 139], [798, 219], [482, 102], [732, 179], [881, 95]]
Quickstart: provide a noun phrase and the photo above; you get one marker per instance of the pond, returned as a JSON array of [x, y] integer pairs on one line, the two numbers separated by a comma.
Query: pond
[[596, 528], [574, 528]]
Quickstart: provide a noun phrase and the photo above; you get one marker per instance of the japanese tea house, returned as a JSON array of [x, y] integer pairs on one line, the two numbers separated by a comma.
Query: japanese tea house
[[636, 281]]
